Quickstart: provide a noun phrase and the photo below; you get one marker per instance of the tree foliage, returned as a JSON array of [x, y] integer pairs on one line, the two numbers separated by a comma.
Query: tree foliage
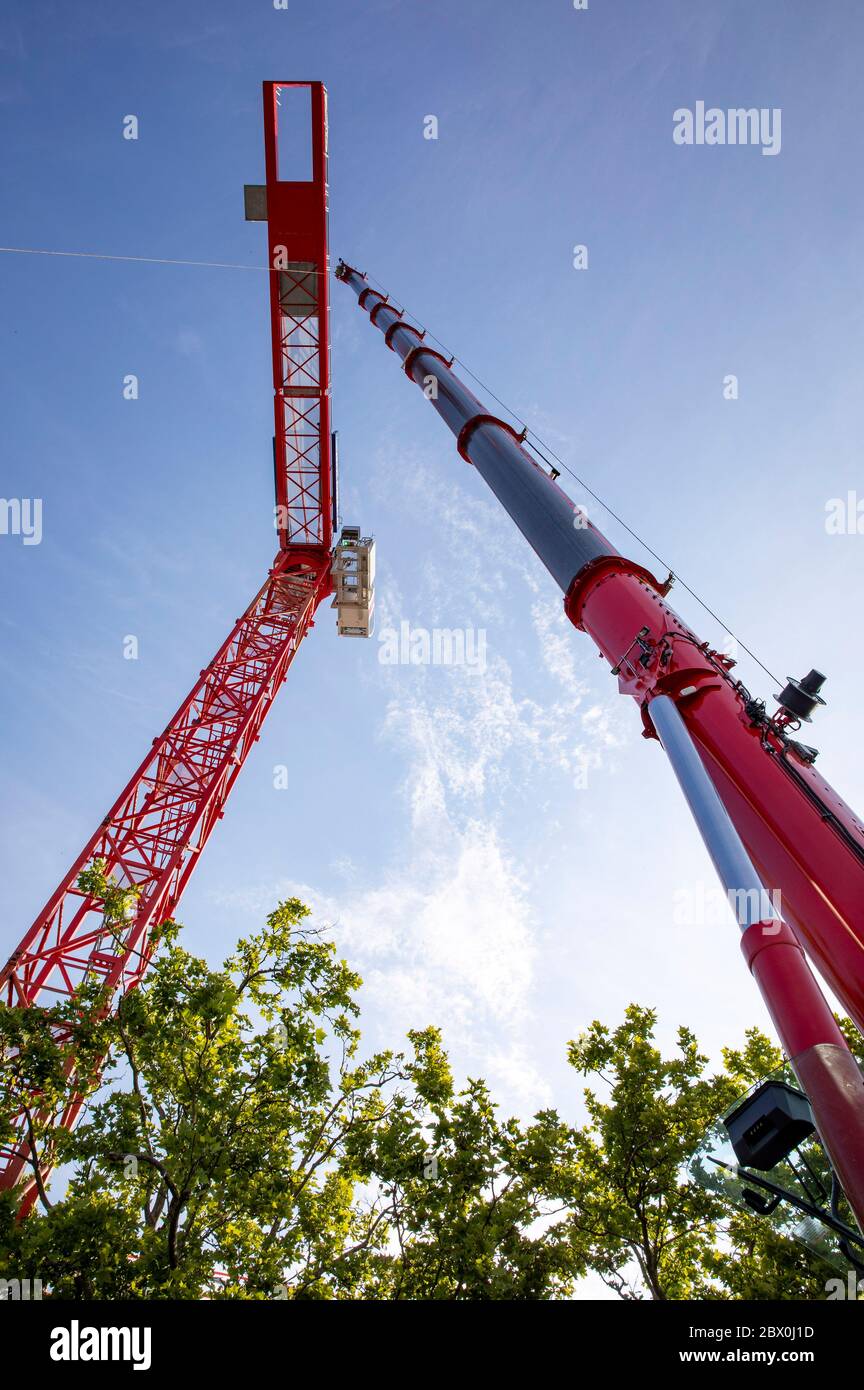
[[639, 1221], [238, 1144]]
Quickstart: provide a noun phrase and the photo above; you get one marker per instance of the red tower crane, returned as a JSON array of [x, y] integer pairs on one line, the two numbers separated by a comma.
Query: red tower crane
[[152, 837], [769, 821]]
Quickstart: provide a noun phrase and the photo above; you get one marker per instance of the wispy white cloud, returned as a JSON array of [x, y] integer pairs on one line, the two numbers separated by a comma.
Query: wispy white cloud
[[447, 931], [512, 1071], [446, 936]]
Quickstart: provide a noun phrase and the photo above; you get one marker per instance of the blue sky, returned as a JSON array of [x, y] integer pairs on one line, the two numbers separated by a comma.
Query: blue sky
[[433, 816]]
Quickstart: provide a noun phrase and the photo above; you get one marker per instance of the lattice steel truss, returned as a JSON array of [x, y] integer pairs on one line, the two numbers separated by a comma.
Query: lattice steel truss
[[154, 833], [300, 325], [151, 838]]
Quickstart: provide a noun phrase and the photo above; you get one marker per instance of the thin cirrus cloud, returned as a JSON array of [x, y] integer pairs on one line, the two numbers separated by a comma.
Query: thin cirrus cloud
[[447, 932]]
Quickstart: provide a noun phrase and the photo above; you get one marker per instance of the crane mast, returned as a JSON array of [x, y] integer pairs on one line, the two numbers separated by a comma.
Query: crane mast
[[769, 821], [296, 215], [152, 837]]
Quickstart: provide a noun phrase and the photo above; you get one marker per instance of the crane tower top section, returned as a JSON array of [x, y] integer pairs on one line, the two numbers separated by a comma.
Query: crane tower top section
[[295, 211]]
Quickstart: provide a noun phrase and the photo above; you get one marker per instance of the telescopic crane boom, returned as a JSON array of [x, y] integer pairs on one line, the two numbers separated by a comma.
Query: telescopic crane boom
[[768, 819]]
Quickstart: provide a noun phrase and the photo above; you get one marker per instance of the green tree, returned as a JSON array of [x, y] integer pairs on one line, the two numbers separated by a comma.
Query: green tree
[[753, 1261], [236, 1130], [217, 1138], [238, 1145], [468, 1218], [624, 1186], [638, 1220]]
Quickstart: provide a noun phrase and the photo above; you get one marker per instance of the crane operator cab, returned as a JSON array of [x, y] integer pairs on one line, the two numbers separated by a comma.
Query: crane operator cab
[[354, 583]]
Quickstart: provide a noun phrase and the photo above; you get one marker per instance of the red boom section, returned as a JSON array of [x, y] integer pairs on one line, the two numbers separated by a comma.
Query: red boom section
[[766, 817], [806, 843], [300, 326], [804, 840], [153, 834]]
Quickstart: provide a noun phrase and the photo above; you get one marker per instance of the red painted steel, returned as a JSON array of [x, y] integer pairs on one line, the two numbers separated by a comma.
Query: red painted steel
[[779, 803], [153, 835], [300, 328], [815, 1047], [806, 844]]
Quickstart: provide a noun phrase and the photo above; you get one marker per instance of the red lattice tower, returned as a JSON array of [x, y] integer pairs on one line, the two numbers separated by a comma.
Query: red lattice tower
[[153, 835]]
